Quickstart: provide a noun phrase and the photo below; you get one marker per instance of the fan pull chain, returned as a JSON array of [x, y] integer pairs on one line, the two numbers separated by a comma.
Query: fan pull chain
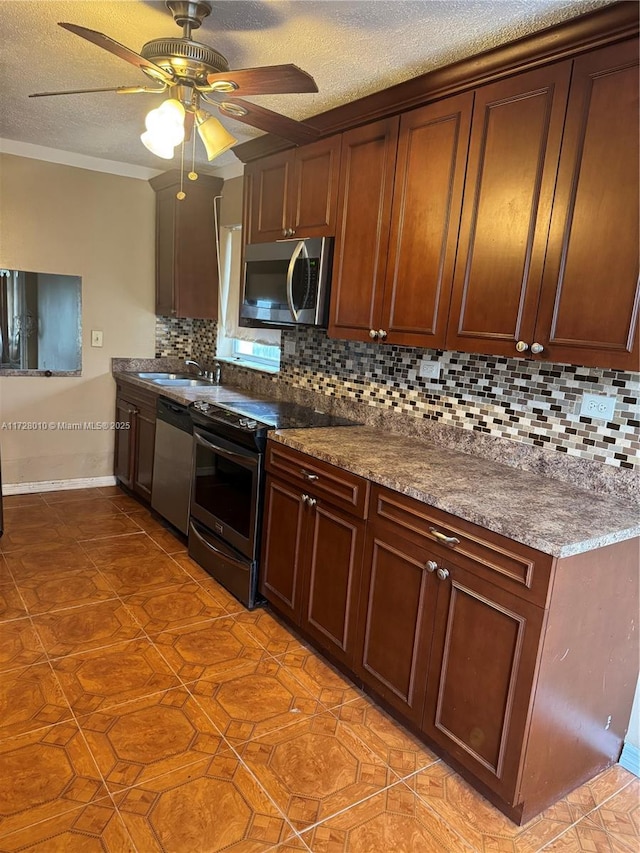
[[181, 194], [193, 175]]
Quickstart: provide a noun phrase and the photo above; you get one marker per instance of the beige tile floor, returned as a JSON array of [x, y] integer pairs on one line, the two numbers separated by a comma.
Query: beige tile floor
[[143, 709]]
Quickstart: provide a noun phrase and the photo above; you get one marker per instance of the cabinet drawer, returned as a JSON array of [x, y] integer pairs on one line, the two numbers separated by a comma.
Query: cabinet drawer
[[345, 490], [510, 565]]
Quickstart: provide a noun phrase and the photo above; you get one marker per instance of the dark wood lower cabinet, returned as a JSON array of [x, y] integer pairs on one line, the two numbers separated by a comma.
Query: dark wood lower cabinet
[[396, 612], [332, 579], [481, 673], [282, 544], [518, 667], [135, 446], [311, 560]]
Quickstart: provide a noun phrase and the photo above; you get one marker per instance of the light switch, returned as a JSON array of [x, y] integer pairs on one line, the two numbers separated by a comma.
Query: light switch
[[96, 338]]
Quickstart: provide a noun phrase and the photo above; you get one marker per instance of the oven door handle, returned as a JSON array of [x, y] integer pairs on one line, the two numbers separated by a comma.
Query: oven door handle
[[299, 249], [249, 461], [223, 552]]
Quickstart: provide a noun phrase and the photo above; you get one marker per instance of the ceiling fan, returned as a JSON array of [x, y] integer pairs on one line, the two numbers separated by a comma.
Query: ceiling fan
[[194, 72]]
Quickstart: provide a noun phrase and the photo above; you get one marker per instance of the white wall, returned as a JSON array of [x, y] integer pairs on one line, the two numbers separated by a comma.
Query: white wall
[[60, 219]]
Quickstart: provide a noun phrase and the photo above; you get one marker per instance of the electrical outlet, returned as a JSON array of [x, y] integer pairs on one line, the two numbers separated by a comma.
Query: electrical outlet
[[96, 338], [289, 347], [598, 406], [429, 369]]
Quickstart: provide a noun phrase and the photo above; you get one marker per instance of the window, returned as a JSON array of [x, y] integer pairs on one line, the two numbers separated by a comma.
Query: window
[[258, 347]]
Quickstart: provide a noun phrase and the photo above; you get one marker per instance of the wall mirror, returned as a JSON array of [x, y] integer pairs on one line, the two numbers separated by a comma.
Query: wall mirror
[[40, 323]]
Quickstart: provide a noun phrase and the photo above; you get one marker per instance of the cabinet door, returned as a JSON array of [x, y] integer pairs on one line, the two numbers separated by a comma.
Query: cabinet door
[[145, 440], [124, 449], [283, 547], [513, 159], [481, 671], [270, 179], [314, 190], [332, 583], [196, 269], [364, 212], [165, 251], [430, 170], [589, 307], [394, 627]]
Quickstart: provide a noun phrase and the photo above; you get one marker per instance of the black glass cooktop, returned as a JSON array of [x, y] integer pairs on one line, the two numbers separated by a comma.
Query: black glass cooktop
[[281, 415]]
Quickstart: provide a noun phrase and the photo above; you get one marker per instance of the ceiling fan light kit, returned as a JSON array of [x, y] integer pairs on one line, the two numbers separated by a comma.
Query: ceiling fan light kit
[[193, 72]]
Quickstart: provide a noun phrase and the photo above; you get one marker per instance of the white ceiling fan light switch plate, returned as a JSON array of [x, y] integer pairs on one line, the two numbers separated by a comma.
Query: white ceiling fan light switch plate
[[96, 338]]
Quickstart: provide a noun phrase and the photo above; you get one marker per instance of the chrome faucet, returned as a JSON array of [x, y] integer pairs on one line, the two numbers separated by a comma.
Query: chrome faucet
[[188, 361], [215, 375]]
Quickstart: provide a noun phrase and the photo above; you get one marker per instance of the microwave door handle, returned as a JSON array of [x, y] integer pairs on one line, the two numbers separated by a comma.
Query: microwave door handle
[[301, 247], [247, 461]]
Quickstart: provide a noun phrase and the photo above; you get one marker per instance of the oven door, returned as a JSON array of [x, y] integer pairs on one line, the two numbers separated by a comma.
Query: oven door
[[226, 490]]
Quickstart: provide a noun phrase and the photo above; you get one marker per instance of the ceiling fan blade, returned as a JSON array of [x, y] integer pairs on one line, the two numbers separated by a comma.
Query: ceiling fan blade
[[121, 90], [268, 80], [119, 50], [267, 120]]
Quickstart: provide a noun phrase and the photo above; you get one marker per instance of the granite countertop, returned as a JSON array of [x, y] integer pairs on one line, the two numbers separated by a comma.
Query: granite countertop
[[545, 514], [185, 395]]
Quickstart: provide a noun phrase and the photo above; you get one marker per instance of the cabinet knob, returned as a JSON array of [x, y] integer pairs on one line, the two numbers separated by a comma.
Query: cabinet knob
[[382, 334], [522, 346], [431, 566], [284, 232], [292, 232], [443, 574], [305, 499], [536, 348], [373, 334], [311, 502]]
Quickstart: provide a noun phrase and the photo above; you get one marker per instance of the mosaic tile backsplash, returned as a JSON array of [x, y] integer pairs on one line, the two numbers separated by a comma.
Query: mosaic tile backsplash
[[533, 403], [184, 338]]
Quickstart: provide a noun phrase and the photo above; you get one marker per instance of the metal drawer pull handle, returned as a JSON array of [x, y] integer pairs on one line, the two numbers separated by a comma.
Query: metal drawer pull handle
[[443, 574], [448, 540], [431, 566], [309, 476]]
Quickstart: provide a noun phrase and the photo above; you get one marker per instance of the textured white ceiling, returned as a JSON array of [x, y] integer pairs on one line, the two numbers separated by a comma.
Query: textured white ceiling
[[351, 47]]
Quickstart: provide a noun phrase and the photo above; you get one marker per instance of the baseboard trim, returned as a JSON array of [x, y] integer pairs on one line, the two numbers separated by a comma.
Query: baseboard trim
[[630, 758], [57, 485]]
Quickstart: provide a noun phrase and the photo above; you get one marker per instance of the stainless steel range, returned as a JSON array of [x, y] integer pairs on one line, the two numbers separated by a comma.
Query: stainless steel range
[[227, 486]]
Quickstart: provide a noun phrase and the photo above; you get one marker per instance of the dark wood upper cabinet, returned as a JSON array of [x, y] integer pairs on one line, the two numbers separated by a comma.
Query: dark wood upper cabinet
[[294, 193], [186, 265], [513, 161], [429, 179], [269, 180], [362, 239], [589, 306]]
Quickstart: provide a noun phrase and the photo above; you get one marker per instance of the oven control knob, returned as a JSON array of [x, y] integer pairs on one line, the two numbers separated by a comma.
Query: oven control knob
[[248, 423]]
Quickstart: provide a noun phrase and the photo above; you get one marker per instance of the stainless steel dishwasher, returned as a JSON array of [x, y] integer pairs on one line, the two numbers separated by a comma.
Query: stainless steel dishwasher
[[171, 488]]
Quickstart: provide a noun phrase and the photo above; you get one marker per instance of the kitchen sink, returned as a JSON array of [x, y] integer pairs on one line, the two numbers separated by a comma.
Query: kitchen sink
[[165, 376], [181, 382]]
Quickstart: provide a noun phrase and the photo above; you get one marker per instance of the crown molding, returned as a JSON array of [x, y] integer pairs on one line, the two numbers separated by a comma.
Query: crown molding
[[78, 161]]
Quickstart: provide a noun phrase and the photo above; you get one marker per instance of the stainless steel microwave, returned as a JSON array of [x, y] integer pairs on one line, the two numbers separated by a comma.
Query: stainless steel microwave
[[287, 283]]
